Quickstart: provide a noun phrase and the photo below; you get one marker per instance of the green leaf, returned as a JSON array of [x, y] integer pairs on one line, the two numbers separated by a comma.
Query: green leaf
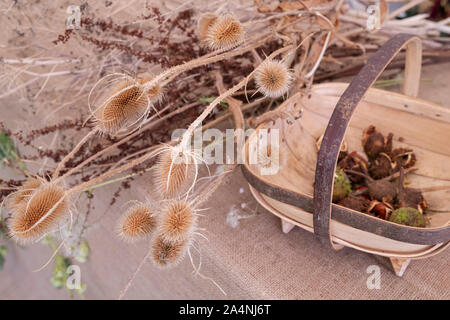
[[83, 252], [223, 103], [3, 252], [3, 228], [6, 147], [8, 153]]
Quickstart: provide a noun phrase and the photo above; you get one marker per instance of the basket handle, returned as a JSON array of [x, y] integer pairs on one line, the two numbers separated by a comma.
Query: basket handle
[[334, 134]]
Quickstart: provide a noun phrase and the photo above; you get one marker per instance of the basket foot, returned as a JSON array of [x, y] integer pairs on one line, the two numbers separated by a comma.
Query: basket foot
[[399, 265], [286, 226], [338, 246]]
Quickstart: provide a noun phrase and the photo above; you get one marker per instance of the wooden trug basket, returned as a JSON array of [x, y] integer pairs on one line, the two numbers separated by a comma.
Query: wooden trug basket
[[300, 192]]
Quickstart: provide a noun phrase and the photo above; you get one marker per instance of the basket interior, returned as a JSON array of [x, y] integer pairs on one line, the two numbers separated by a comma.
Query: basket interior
[[420, 129]]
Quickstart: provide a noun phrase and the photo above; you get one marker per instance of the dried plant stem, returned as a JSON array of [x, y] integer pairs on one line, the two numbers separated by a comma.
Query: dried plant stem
[[55, 252], [141, 264], [276, 16], [204, 61], [105, 183], [127, 138], [207, 111], [234, 104], [72, 153], [405, 7], [113, 172]]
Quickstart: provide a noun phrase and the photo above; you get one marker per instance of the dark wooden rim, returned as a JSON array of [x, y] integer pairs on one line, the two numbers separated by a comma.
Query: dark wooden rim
[[355, 219], [321, 205]]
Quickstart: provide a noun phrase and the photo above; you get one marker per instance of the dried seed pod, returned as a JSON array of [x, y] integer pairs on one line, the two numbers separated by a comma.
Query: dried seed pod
[[342, 186], [175, 172], [125, 108], [137, 223], [39, 214], [273, 78], [204, 25], [177, 221], [380, 189], [167, 254], [381, 167], [374, 142], [225, 33], [409, 197], [403, 158], [408, 216], [354, 162], [380, 209], [357, 203], [388, 143], [22, 193]]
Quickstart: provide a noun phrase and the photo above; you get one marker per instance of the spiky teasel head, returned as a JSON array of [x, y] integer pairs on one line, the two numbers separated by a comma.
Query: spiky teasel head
[[137, 223], [273, 78], [225, 32], [23, 191], [177, 221], [127, 105], [38, 213], [204, 24], [175, 172], [166, 254]]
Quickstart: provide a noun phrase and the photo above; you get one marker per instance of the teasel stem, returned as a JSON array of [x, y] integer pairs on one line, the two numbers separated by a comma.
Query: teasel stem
[[72, 153], [276, 16], [188, 133], [113, 172], [130, 281], [127, 138], [204, 61]]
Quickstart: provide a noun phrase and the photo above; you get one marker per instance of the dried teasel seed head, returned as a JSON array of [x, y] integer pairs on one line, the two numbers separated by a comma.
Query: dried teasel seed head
[[225, 33], [40, 213], [22, 193], [175, 172], [128, 104], [137, 223], [177, 221], [167, 254], [273, 78], [204, 24]]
